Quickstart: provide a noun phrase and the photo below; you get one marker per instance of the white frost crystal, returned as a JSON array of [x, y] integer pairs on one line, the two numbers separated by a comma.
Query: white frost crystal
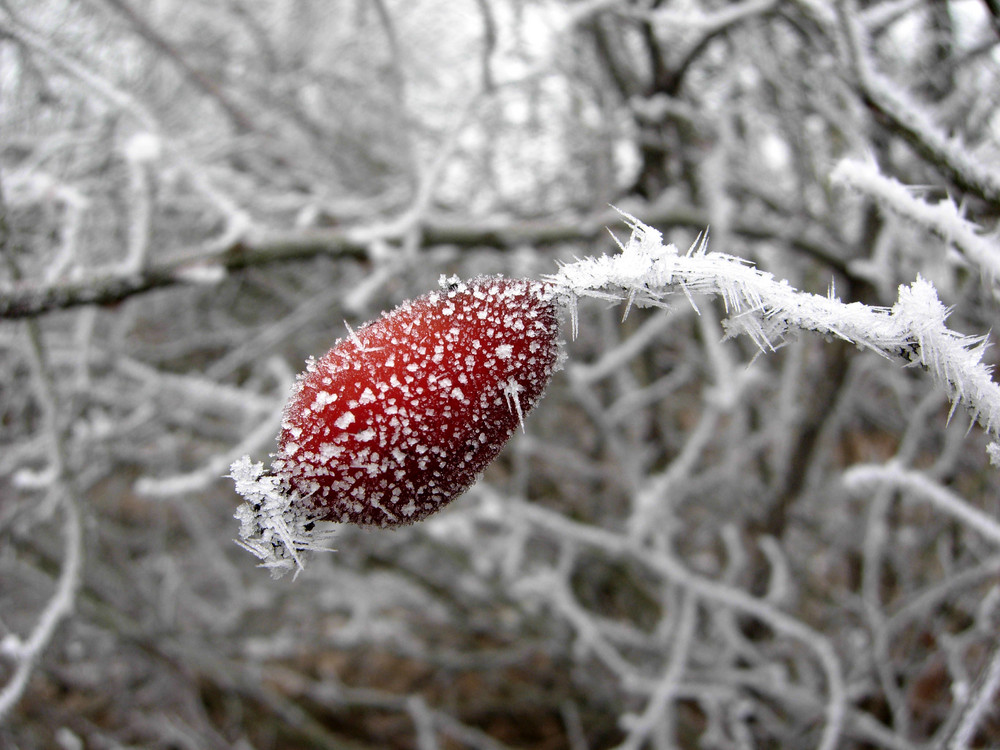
[[270, 527]]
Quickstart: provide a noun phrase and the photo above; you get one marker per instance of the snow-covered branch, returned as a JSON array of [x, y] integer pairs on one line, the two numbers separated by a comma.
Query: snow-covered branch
[[647, 272], [710, 591], [23, 653], [910, 119], [979, 704], [943, 219], [922, 487]]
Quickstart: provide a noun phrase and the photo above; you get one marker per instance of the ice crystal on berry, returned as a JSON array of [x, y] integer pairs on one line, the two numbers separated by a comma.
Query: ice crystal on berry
[[401, 416]]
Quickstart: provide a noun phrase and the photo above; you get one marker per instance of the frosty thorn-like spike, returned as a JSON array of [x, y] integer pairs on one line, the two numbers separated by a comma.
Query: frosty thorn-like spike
[[403, 414], [512, 392]]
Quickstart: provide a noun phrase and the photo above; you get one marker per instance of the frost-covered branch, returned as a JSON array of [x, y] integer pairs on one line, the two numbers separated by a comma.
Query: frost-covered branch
[[647, 272], [920, 486], [135, 110], [696, 20], [252, 249], [709, 21], [980, 702], [240, 119], [620, 545], [659, 702], [24, 652], [212, 469], [911, 121], [943, 219]]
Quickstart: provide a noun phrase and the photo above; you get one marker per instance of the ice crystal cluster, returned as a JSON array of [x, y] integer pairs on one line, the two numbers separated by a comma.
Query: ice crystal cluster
[[401, 416]]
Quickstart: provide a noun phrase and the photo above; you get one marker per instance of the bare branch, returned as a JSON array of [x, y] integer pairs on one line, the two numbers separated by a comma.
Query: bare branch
[[909, 120], [25, 652], [242, 121], [211, 266]]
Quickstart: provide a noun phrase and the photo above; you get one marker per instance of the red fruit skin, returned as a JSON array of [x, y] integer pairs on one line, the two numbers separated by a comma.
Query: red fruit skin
[[399, 418]]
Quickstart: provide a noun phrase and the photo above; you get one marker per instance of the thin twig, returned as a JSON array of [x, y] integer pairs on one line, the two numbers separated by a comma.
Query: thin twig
[[25, 653], [980, 702]]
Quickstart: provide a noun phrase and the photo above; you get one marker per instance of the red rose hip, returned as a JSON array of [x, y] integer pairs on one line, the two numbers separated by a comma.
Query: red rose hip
[[400, 417]]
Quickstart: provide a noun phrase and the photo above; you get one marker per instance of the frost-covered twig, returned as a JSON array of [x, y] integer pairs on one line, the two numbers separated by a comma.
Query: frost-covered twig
[[209, 264], [694, 20], [618, 545], [647, 272], [729, 383], [709, 22], [241, 120], [140, 152], [203, 393], [659, 702], [894, 475], [212, 469], [25, 652], [236, 218], [980, 702], [943, 219], [908, 117], [31, 188]]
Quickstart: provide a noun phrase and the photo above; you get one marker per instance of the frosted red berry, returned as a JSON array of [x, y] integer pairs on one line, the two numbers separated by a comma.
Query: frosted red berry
[[401, 416]]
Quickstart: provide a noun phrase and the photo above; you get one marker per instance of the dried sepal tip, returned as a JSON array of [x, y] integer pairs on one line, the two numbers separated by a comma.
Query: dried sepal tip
[[274, 526]]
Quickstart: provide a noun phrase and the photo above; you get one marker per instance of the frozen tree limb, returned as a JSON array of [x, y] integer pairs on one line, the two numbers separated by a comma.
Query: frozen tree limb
[[647, 272], [943, 219], [11, 28], [710, 22], [25, 652], [127, 104], [141, 150], [209, 266], [211, 470], [911, 121], [489, 45], [618, 545], [202, 390], [643, 726], [242, 121], [980, 703], [696, 21], [894, 475], [31, 188], [729, 383], [252, 249]]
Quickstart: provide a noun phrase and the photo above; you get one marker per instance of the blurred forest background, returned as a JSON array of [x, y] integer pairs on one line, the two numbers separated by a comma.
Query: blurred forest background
[[692, 546]]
